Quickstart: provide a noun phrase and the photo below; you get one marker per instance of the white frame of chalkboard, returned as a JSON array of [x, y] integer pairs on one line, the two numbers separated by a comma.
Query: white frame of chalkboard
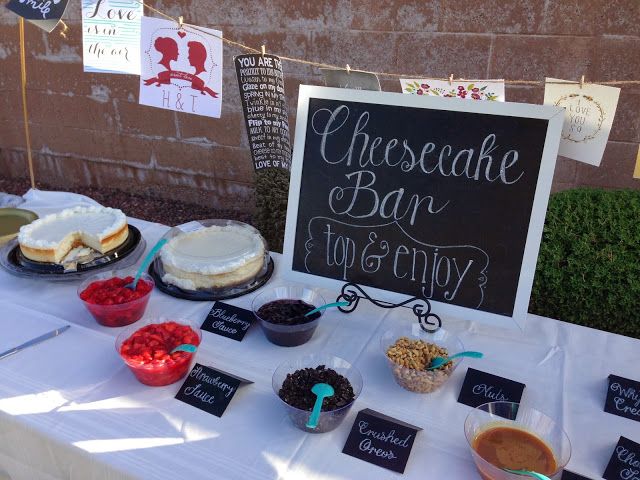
[[555, 117]]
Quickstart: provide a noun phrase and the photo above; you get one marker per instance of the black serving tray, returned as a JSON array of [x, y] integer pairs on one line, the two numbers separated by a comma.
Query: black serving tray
[[212, 294], [12, 259]]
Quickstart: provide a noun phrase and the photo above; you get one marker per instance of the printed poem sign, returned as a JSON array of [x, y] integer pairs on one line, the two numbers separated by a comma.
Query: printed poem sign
[[111, 36], [264, 105], [181, 69], [433, 203]]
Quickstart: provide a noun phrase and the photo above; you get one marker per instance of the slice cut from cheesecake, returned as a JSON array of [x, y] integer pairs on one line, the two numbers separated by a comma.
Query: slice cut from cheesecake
[[51, 238]]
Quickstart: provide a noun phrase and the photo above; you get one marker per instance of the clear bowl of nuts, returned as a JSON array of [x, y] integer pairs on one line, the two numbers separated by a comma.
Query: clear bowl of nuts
[[409, 351]]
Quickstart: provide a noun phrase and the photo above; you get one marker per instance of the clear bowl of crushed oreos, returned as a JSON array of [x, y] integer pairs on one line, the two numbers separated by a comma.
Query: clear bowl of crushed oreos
[[281, 314], [293, 380]]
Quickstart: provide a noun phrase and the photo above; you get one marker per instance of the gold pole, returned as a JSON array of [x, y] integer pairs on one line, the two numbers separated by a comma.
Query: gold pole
[[23, 76]]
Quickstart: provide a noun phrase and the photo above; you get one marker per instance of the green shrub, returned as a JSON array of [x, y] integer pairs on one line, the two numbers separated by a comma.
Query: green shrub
[[272, 193], [588, 269]]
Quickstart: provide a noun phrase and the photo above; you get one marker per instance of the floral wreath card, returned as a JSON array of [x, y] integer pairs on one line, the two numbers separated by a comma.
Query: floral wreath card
[[589, 112], [181, 68], [490, 90]]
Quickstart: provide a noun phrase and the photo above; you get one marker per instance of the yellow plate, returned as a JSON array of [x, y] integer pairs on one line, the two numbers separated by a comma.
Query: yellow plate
[[11, 219]]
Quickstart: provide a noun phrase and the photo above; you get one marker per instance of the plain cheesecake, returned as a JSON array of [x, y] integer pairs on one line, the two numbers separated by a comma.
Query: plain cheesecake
[[51, 238], [213, 257]]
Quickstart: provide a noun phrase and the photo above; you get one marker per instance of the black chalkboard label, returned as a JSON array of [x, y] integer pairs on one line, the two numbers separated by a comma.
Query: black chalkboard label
[[381, 440], [482, 387], [264, 104], [567, 475], [625, 461], [209, 389], [623, 398], [228, 321], [446, 205], [45, 14]]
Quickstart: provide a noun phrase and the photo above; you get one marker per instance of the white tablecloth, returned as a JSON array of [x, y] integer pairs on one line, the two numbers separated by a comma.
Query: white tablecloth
[[70, 409]]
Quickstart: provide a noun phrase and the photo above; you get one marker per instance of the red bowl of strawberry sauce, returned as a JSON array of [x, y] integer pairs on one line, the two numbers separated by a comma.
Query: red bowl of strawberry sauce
[[146, 347], [110, 302]]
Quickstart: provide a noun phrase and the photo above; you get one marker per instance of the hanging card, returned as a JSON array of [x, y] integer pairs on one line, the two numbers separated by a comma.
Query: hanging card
[[490, 90], [181, 68], [111, 36], [44, 14], [589, 113], [354, 79], [264, 105]]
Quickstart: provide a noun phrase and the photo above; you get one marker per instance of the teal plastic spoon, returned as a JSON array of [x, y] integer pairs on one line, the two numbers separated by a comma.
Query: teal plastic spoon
[[145, 263], [328, 305], [321, 391], [185, 347], [529, 473], [440, 361]]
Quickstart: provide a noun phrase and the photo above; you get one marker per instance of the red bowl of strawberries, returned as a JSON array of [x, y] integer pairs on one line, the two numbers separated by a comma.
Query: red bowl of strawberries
[[113, 304], [146, 349]]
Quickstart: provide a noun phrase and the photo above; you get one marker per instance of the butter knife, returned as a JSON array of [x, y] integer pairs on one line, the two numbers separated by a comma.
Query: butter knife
[[34, 341]]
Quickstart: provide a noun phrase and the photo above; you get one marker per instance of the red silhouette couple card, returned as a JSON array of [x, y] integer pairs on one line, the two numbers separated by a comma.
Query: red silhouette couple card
[[181, 67]]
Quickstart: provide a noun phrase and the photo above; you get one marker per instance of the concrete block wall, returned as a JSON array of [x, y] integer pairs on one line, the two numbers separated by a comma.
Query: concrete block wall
[[88, 129]]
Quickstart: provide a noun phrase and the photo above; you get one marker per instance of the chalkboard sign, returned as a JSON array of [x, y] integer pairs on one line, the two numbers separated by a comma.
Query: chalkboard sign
[[623, 398], [44, 14], [481, 387], [624, 463], [264, 105], [382, 440], [567, 475], [228, 320], [429, 197], [209, 389]]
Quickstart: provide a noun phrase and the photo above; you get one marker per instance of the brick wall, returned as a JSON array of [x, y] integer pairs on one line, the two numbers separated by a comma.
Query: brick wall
[[87, 129]]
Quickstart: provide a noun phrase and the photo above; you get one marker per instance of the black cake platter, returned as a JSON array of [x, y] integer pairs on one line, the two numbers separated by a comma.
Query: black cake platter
[[123, 256], [156, 269]]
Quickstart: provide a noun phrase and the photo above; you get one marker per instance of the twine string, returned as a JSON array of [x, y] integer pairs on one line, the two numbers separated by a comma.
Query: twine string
[[249, 49], [25, 115]]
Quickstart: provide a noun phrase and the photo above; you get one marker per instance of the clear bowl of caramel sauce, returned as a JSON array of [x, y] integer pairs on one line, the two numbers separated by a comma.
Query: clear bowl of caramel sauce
[[513, 436]]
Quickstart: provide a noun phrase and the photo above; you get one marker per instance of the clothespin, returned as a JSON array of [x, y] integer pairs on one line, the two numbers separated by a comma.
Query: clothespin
[[581, 82], [451, 79], [180, 22], [348, 69], [263, 49], [65, 28]]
